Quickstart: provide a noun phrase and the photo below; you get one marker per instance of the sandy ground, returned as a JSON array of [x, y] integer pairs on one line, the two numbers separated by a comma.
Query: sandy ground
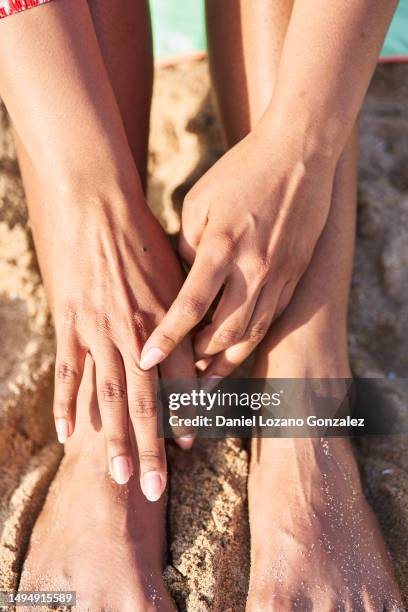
[[208, 538]]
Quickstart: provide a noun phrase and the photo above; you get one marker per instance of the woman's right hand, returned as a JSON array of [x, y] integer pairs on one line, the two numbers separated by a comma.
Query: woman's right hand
[[113, 276]]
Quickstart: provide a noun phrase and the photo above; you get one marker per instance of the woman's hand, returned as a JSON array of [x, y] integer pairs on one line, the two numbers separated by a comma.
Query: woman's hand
[[250, 226], [113, 277], [109, 270], [255, 217]]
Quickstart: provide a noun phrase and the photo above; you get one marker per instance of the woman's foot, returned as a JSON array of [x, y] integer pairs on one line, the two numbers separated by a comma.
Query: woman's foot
[[102, 540], [315, 543]]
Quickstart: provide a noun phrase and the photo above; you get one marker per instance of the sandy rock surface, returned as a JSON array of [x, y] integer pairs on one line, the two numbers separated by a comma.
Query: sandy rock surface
[[208, 538]]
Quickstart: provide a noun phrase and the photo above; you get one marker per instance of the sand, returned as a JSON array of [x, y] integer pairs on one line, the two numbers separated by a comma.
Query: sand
[[208, 538]]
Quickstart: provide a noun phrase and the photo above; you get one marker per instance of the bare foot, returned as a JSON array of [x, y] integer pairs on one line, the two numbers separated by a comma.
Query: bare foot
[[315, 543], [102, 540]]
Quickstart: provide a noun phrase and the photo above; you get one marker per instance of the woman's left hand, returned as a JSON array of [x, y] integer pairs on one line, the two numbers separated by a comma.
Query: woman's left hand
[[249, 225]]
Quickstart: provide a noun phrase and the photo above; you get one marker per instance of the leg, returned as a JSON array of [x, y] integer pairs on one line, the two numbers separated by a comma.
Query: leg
[[104, 541], [318, 545], [245, 42], [123, 31], [315, 544]]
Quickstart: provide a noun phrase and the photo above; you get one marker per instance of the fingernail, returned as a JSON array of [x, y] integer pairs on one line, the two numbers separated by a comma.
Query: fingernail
[[202, 364], [185, 442], [152, 486], [62, 427], [152, 357], [121, 469]]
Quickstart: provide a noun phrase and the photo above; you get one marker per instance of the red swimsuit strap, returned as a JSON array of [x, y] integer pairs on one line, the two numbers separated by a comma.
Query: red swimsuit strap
[[10, 7]]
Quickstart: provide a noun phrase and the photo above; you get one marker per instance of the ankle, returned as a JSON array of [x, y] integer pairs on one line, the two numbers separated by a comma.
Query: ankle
[[305, 462], [307, 352]]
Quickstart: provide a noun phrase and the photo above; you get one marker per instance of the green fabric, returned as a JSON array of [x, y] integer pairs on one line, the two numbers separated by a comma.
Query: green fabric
[[179, 28]]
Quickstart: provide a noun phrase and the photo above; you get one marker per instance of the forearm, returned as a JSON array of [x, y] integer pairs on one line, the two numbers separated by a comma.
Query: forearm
[[58, 94], [329, 55]]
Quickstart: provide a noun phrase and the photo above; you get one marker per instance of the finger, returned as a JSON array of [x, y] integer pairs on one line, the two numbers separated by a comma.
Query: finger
[[193, 222], [230, 319], [142, 402], [69, 367], [180, 366], [186, 250], [113, 407], [195, 297], [202, 364], [224, 363]]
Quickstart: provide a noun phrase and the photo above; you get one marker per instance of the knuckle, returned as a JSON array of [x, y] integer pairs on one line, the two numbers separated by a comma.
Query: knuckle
[[257, 332], [150, 460], [70, 315], [103, 324], [142, 406], [112, 390], [224, 248], [66, 373], [150, 455], [117, 441], [228, 335], [137, 326], [192, 306]]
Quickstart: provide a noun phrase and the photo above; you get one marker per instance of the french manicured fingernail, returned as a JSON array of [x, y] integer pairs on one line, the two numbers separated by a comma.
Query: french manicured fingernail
[[152, 485], [121, 469], [151, 358], [185, 442], [62, 427]]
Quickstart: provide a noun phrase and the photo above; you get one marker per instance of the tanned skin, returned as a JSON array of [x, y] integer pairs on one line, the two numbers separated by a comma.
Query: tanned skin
[[289, 97]]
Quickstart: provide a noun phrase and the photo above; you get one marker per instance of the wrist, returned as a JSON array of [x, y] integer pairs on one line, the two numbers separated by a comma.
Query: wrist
[[317, 142], [94, 182]]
